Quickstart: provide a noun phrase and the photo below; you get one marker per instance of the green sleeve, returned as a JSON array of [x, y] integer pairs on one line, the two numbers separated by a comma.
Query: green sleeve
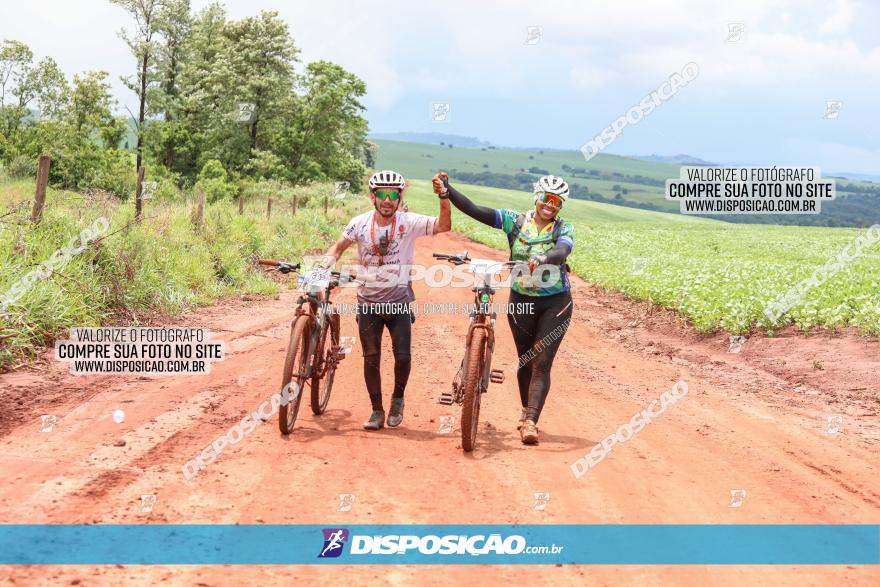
[[506, 219], [567, 234]]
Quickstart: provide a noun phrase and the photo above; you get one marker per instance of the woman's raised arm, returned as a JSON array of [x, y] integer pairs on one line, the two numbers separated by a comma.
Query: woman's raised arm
[[481, 213]]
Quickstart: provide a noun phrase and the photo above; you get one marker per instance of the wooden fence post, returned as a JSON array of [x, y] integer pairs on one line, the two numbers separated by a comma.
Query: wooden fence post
[[326, 201], [241, 204], [42, 182], [269, 209], [295, 201], [139, 193]]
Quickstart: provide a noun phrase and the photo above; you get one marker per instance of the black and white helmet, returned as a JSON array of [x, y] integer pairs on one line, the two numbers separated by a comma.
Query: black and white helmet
[[553, 185], [387, 179]]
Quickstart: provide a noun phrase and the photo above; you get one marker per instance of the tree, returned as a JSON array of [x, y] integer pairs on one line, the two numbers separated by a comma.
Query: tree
[[15, 63], [15, 58], [91, 109], [42, 87], [175, 25], [202, 91], [51, 88], [261, 65], [371, 154], [327, 128], [235, 97], [142, 43], [237, 90]]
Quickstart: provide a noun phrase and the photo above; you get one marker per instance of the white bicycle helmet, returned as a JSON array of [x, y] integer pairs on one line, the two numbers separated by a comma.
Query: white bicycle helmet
[[553, 185], [387, 179]]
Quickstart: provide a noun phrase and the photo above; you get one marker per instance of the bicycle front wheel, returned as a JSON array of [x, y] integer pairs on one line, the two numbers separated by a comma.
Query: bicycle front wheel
[[294, 376], [470, 410], [325, 365]]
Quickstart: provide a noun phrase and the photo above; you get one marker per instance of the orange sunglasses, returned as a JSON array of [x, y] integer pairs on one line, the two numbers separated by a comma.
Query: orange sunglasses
[[550, 199]]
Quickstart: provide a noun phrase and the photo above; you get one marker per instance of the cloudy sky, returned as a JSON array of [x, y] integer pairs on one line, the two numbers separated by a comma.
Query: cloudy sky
[[760, 98]]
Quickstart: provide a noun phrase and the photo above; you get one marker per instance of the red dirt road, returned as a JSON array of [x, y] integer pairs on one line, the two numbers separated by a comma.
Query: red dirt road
[[755, 421]]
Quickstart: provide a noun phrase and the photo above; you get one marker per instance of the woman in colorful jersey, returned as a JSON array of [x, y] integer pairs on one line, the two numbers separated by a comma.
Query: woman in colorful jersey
[[542, 239]]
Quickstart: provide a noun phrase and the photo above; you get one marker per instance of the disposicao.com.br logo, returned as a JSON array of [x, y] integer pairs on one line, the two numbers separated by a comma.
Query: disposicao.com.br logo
[[334, 541], [393, 544]]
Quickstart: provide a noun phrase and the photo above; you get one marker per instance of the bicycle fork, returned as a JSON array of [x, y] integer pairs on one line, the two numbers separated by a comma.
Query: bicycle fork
[[314, 324], [494, 375]]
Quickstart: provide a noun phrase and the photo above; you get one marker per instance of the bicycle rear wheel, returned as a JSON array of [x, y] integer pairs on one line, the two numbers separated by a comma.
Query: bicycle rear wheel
[[325, 365], [470, 410], [293, 378]]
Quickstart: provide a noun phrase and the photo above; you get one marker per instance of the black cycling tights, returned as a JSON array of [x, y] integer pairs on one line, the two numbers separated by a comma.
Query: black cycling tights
[[537, 336], [370, 326]]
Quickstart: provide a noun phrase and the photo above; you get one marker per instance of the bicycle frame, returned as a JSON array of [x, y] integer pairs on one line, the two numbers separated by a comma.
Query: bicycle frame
[[317, 309]]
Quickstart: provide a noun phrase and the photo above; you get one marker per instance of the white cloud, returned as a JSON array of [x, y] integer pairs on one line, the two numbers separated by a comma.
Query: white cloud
[[838, 23], [593, 53], [477, 47], [345, 32], [588, 77]]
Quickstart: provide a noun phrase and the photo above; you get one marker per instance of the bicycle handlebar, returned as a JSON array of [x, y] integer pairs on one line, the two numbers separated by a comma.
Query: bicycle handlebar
[[459, 259], [462, 258], [285, 267]]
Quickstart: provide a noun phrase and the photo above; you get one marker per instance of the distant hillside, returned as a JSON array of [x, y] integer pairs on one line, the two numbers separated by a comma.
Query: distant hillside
[[429, 138], [853, 176], [621, 181], [680, 159]]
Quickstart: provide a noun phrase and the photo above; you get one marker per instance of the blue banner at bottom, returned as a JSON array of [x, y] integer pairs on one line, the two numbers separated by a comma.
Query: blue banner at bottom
[[207, 544]]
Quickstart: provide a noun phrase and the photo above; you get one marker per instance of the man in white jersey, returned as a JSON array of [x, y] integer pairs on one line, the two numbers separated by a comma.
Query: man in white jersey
[[385, 240]]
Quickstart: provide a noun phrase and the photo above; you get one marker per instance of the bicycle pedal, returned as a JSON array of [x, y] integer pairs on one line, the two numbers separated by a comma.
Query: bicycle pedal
[[496, 376], [445, 398]]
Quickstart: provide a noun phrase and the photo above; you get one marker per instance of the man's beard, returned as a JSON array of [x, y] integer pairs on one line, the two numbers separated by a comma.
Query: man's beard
[[384, 214]]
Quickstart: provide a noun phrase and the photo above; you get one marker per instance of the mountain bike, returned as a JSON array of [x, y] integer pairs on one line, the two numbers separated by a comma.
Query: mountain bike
[[313, 351], [475, 371]]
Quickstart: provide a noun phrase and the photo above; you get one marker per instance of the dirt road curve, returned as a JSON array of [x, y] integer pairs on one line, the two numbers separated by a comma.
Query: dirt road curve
[[755, 420]]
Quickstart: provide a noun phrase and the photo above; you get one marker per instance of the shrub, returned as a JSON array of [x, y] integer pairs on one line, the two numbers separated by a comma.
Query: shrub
[[167, 190], [111, 171], [5, 147], [266, 165], [21, 167], [214, 180], [168, 184]]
